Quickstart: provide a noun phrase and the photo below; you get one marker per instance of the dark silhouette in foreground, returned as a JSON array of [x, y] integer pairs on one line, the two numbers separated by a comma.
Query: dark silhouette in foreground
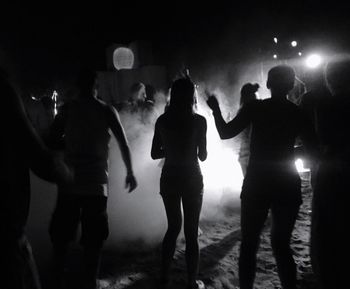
[[272, 182], [248, 94], [82, 126], [180, 138], [21, 150], [330, 218]]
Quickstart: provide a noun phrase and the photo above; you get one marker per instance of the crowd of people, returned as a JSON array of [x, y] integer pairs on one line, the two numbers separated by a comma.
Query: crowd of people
[[75, 156]]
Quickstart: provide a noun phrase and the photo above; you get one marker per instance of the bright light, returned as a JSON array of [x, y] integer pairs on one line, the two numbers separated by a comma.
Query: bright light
[[313, 61], [221, 171], [275, 40], [294, 43], [299, 164], [123, 58], [275, 56], [54, 98], [300, 54]]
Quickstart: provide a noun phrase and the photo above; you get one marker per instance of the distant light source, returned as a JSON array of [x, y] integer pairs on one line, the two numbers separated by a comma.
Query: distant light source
[[54, 98], [275, 56], [294, 43], [300, 54], [123, 58], [299, 164], [275, 40], [313, 61]]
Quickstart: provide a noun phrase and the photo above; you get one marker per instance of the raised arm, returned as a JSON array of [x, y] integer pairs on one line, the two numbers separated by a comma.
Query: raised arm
[[157, 151], [202, 140], [118, 132], [232, 128]]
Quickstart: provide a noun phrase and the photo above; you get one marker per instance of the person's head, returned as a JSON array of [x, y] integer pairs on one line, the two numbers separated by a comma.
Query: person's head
[[182, 98], [280, 79], [248, 93], [137, 92], [338, 75], [150, 92], [86, 83]]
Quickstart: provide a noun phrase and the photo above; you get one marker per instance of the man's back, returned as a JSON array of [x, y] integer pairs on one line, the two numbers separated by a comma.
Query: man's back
[[275, 125], [86, 138]]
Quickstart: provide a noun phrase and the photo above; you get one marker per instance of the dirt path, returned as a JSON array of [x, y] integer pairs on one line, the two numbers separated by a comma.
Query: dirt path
[[219, 242]]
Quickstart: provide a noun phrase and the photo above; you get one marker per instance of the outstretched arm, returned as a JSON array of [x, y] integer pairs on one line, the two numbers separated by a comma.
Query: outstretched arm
[[118, 132], [235, 126], [157, 151]]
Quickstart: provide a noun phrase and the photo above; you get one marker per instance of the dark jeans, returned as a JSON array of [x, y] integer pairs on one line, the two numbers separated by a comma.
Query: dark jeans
[[70, 210], [253, 216]]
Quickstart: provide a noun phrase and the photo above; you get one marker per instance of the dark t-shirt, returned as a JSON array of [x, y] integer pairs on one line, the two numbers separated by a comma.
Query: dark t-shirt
[[275, 123]]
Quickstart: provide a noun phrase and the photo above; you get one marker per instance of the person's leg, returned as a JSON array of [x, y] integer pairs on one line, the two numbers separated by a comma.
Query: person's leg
[[172, 206], [192, 205], [253, 216], [63, 229], [95, 231], [18, 268], [283, 220]]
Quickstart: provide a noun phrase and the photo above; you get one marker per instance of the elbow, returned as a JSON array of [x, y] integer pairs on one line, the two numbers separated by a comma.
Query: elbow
[[224, 135], [155, 155], [203, 156]]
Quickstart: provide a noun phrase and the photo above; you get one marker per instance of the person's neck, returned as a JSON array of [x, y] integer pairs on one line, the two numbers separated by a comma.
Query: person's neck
[[278, 96]]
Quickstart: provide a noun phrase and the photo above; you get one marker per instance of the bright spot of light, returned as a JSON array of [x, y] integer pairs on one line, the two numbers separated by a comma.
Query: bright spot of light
[[294, 43], [54, 98], [275, 40], [300, 54], [275, 56], [123, 58], [299, 164], [313, 61]]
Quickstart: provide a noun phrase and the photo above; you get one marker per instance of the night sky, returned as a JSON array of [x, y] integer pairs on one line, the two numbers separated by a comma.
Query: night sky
[[46, 42]]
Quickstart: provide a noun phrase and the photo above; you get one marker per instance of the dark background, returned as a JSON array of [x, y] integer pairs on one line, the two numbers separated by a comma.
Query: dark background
[[44, 43]]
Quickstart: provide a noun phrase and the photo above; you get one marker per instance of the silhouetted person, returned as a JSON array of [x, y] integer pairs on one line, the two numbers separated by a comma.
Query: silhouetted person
[[248, 94], [180, 138], [330, 215], [272, 182], [83, 126], [21, 151]]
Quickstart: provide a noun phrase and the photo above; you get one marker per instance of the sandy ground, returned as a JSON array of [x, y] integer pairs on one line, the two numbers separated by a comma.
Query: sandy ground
[[135, 267]]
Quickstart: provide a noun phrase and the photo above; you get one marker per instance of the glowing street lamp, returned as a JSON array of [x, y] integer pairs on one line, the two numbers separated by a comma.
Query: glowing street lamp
[[313, 61], [275, 40], [300, 54], [275, 56], [294, 43]]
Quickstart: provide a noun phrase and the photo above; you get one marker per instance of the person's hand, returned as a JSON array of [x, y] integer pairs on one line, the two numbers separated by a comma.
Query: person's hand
[[63, 174], [130, 182], [213, 102]]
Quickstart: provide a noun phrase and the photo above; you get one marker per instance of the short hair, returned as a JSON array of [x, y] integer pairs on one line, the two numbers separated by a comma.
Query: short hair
[[281, 77], [86, 78], [338, 74]]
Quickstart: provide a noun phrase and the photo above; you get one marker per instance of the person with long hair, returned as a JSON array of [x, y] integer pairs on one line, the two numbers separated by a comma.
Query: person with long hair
[[180, 138], [271, 182]]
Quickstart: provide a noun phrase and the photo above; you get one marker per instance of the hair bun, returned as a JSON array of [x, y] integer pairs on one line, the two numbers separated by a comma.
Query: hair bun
[[255, 87]]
